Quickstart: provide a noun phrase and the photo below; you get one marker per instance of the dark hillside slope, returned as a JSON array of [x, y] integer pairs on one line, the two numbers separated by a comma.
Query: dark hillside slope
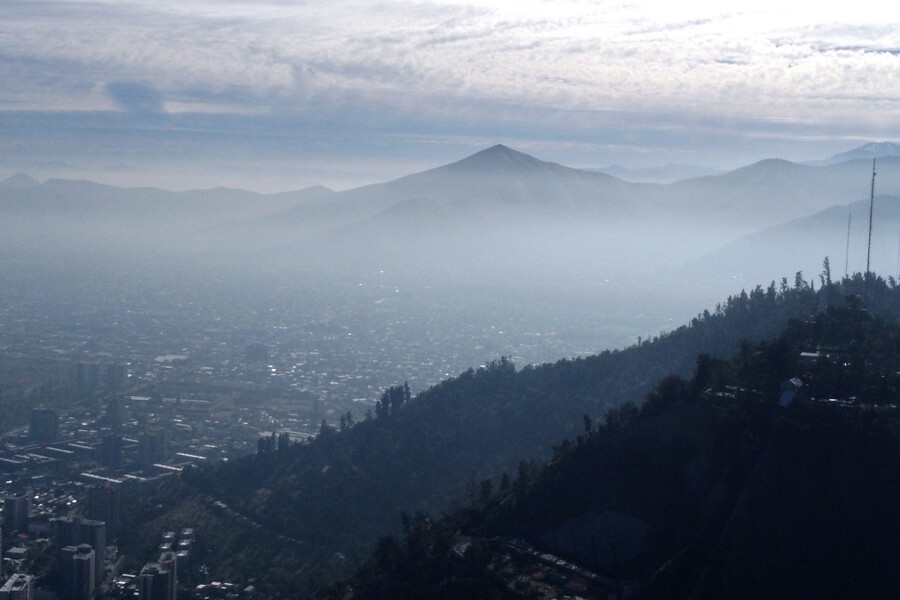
[[741, 498], [712, 489], [821, 517]]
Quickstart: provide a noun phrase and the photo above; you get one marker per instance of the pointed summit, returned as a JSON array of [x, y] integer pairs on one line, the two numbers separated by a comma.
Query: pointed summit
[[500, 159], [501, 152], [19, 181]]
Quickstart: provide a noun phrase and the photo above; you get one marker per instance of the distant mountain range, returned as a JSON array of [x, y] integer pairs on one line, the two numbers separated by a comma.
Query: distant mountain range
[[496, 179], [668, 173], [21, 194], [865, 152], [70, 219], [839, 232], [498, 211], [499, 185]]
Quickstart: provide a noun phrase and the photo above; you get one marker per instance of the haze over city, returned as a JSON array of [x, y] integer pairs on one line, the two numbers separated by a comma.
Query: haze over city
[[448, 299]]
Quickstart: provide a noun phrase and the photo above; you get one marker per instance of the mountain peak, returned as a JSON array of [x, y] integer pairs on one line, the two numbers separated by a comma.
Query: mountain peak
[[869, 150], [501, 152], [19, 181], [879, 149], [500, 158], [499, 149]]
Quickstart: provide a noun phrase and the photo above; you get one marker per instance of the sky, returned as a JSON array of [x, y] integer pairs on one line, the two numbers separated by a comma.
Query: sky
[[275, 95]]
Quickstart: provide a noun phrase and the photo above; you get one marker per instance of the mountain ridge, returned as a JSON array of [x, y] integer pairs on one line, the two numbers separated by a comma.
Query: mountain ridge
[[712, 488], [802, 244], [664, 174], [497, 212], [867, 151], [18, 181]]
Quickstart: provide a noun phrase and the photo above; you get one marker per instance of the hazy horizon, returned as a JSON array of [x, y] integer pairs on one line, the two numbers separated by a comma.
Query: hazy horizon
[[618, 170], [270, 96]]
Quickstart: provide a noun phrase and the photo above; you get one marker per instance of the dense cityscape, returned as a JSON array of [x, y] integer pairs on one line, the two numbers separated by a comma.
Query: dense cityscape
[[112, 389]]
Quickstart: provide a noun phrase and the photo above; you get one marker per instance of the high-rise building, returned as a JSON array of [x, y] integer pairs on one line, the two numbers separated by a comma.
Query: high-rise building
[[15, 513], [64, 532], [111, 450], [103, 504], [18, 587], [156, 582], [168, 562], [116, 375], [152, 447], [147, 583], [114, 413], [44, 425], [93, 533], [71, 532], [87, 376], [77, 571]]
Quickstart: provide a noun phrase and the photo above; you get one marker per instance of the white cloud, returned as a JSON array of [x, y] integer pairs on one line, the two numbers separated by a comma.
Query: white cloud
[[579, 64], [568, 55]]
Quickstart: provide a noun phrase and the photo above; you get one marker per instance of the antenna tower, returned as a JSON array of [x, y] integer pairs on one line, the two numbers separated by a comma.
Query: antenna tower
[[869, 250], [847, 253]]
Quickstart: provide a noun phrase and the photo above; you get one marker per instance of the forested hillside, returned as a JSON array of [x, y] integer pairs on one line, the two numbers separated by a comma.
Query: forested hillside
[[476, 431], [717, 487]]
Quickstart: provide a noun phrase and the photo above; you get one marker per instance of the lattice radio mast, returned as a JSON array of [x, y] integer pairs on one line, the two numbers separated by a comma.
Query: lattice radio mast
[[869, 250], [847, 252]]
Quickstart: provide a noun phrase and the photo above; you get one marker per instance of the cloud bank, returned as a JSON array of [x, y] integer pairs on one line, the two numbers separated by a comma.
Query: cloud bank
[[596, 79]]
